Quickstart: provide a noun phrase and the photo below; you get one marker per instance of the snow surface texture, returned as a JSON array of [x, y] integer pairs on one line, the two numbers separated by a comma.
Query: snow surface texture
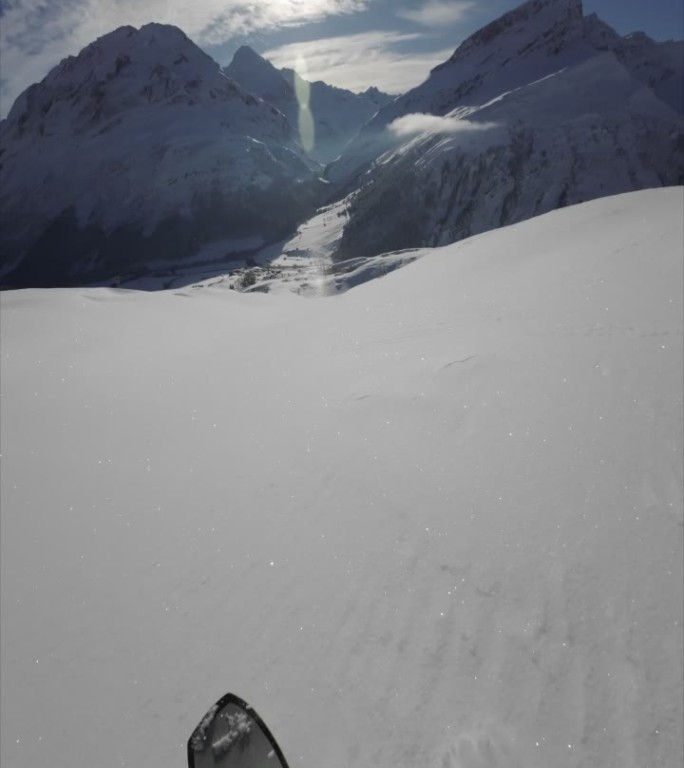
[[542, 108], [435, 521]]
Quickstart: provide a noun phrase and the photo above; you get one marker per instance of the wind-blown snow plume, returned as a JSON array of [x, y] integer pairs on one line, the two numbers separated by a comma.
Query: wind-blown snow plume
[[412, 125]]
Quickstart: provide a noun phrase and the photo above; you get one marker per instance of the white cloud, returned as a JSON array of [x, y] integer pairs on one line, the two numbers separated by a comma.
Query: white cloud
[[438, 13], [35, 35], [417, 123], [358, 61], [243, 18]]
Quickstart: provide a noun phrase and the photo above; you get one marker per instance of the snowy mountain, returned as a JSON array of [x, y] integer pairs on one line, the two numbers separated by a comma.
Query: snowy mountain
[[435, 522], [140, 149], [258, 76], [140, 156], [539, 109], [337, 114]]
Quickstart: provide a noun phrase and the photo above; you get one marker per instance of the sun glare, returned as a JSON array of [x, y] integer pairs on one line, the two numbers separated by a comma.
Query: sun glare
[[307, 129]]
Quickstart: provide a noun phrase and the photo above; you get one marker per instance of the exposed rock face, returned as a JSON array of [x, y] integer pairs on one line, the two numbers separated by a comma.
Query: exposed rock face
[[137, 149]]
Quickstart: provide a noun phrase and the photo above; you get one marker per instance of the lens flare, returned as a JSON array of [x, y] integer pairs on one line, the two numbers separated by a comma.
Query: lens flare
[[307, 129]]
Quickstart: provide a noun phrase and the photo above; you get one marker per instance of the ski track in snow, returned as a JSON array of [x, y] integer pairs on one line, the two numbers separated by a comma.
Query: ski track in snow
[[436, 521]]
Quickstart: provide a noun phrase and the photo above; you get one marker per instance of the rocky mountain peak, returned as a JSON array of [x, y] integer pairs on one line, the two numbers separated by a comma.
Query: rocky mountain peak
[[126, 68], [246, 56], [544, 107], [377, 96], [533, 24], [141, 145], [258, 75], [337, 114]]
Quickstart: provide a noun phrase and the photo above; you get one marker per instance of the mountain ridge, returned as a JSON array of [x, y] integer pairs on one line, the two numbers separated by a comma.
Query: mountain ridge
[[540, 109], [141, 144], [336, 114], [517, 53], [142, 150]]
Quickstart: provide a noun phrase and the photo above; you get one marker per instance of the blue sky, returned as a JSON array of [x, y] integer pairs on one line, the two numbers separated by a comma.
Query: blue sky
[[351, 43]]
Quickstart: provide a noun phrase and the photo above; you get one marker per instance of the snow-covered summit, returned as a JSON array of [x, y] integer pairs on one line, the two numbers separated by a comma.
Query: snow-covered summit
[[660, 66], [521, 46], [260, 77], [337, 114], [536, 24], [127, 68], [533, 41], [539, 109], [141, 147]]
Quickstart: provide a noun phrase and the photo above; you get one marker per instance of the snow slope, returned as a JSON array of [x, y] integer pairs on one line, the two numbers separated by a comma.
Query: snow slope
[[304, 263], [435, 521]]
